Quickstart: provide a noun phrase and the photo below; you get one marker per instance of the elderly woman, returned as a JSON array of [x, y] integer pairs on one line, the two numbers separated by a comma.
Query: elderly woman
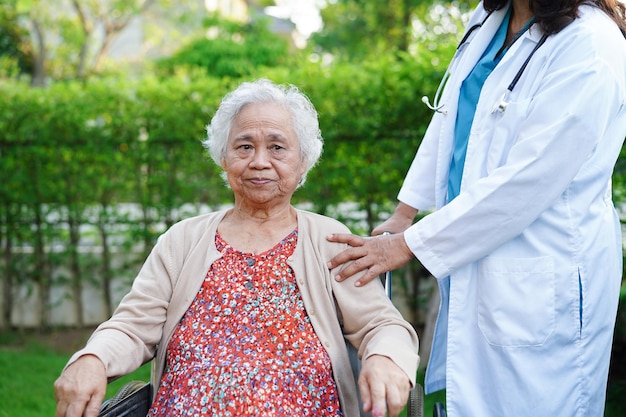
[[238, 307]]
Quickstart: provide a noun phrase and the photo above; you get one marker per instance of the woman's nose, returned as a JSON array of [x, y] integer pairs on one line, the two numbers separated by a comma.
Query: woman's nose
[[260, 159]]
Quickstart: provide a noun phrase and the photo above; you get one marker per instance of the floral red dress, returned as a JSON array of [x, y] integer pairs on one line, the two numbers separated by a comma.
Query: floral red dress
[[246, 346]]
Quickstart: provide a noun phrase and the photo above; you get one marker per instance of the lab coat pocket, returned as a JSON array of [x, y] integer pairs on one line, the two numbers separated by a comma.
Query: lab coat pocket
[[506, 127], [516, 301]]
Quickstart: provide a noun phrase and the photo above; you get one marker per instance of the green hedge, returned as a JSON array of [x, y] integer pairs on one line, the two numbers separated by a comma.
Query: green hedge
[[73, 156]]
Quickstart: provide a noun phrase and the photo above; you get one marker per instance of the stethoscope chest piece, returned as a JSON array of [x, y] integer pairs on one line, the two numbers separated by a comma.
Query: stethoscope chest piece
[[501, 104]]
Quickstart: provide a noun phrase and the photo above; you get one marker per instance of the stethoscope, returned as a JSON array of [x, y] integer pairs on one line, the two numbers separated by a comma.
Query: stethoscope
[[500, 105]]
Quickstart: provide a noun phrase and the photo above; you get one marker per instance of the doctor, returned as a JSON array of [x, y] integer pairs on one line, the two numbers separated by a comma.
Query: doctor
[[524, 240]]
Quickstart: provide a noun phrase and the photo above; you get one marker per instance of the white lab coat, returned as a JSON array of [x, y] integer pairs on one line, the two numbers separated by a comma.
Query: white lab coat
[[528, 257]]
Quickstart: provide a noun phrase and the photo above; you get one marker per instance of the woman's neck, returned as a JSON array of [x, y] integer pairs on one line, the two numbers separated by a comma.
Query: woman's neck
[[520, 15], [261, 215], [256, 231]]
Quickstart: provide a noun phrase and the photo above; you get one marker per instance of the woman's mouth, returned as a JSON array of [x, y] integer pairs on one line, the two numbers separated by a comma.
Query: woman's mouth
[[259, 181]]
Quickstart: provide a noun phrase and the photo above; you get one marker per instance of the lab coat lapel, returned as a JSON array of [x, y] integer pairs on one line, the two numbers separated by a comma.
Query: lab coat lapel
[[467, 59], [486, 147]]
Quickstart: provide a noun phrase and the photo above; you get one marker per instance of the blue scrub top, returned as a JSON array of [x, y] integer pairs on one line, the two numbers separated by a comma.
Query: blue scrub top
[[468, 99]]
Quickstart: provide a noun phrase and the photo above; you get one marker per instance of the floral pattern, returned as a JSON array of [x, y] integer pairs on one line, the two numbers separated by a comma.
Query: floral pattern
[[246, 346]]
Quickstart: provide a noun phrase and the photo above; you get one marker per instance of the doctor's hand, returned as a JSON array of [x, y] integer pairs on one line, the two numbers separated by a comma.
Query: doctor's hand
[[383, 386], [80, 389], [400, 220], [375, 255]]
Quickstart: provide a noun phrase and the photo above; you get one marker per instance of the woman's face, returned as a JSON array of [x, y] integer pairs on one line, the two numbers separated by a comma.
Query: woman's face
[[263, 163]]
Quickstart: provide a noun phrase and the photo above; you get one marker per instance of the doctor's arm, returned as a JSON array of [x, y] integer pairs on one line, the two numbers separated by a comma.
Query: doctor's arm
[[558, 135], [484, 216], [401, 219]]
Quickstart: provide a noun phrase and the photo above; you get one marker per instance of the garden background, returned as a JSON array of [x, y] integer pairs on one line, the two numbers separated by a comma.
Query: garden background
[[100, 150]]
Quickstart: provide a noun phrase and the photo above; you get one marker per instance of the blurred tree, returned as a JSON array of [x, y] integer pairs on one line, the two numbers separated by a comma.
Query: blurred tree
[[230, 49], [14, 52], [67, 39], [360, 27], [357, 28], [113, 16]]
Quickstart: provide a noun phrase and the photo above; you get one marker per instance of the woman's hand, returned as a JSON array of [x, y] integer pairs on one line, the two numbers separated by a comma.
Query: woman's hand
[[376, 255], [384, 387], [80, 389]]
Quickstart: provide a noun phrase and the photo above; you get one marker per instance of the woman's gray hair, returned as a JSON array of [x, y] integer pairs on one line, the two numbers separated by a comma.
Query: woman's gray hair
[[303, 114]]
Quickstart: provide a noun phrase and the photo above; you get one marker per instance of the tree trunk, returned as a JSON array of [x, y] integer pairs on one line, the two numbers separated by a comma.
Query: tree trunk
[[39, 58], [75, 270], [107, 277], [41, 275], [87, 27], [6, 290]]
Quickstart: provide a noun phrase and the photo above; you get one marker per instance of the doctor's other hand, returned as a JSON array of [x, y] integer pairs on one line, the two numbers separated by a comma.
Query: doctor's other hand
[[374, 255], [80, 389], [383, 387], [401, 219]]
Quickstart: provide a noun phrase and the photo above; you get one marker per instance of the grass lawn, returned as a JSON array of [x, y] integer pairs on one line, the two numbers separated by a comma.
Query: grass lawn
[[29, 369]]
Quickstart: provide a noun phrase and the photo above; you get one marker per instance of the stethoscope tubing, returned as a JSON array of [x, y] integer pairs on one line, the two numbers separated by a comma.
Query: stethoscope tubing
[[501, 106]]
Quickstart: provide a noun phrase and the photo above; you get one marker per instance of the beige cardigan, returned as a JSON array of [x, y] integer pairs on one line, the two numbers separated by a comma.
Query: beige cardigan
[[147, 316]]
